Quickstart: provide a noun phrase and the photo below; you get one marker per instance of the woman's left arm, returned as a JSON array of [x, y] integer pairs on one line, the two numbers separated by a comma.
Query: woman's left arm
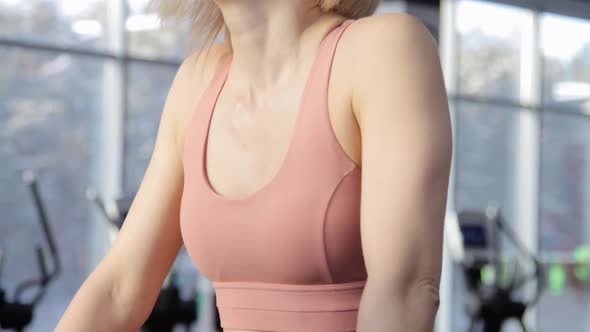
[[400, 103]]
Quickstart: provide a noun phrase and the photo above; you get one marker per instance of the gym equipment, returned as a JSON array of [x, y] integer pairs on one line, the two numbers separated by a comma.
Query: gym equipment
[[18, 314], [556, 280], [491, 297], [169, 310], [581, 270]]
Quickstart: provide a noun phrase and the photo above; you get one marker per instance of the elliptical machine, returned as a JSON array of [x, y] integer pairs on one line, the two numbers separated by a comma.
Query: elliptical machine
[[170, 309], [17, 314], [491, 299]]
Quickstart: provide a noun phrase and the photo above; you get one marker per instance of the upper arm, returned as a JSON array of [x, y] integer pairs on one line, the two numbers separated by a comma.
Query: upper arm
[[150, 239], [400, 103]]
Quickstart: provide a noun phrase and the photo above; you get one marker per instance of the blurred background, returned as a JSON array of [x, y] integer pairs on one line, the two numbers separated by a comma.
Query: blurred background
[[83, 82]]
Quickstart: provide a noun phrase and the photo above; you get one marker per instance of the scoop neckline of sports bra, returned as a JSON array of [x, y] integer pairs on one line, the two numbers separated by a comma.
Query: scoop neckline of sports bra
[[298, 119]]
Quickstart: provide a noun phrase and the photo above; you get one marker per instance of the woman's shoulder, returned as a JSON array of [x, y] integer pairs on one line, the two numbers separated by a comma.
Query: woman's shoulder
[[377, 33], [382, 47], [200, 66], [193, 76]]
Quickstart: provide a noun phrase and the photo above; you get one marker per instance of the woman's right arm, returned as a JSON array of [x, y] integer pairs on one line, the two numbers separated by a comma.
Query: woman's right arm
[[121, 291]]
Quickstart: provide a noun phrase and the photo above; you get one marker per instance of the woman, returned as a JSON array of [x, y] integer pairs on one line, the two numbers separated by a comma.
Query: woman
[[292, 239]]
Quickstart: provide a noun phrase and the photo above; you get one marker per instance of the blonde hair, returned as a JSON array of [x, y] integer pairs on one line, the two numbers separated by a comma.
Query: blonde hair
[[205, 19]]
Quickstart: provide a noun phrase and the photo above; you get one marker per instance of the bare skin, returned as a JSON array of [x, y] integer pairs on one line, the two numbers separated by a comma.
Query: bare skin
[[385, 86]]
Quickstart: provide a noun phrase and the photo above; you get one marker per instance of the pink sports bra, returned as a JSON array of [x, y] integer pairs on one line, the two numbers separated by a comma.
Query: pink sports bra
[[287, 257]]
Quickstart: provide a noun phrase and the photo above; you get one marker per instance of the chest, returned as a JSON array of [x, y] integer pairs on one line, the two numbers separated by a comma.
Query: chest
[[248, 140]]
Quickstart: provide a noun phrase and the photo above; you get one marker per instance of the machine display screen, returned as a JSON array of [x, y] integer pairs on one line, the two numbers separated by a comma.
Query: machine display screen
[[474, 236]]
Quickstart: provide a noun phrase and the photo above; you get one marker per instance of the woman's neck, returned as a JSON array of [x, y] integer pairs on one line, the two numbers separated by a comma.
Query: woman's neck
[[270, 38]]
